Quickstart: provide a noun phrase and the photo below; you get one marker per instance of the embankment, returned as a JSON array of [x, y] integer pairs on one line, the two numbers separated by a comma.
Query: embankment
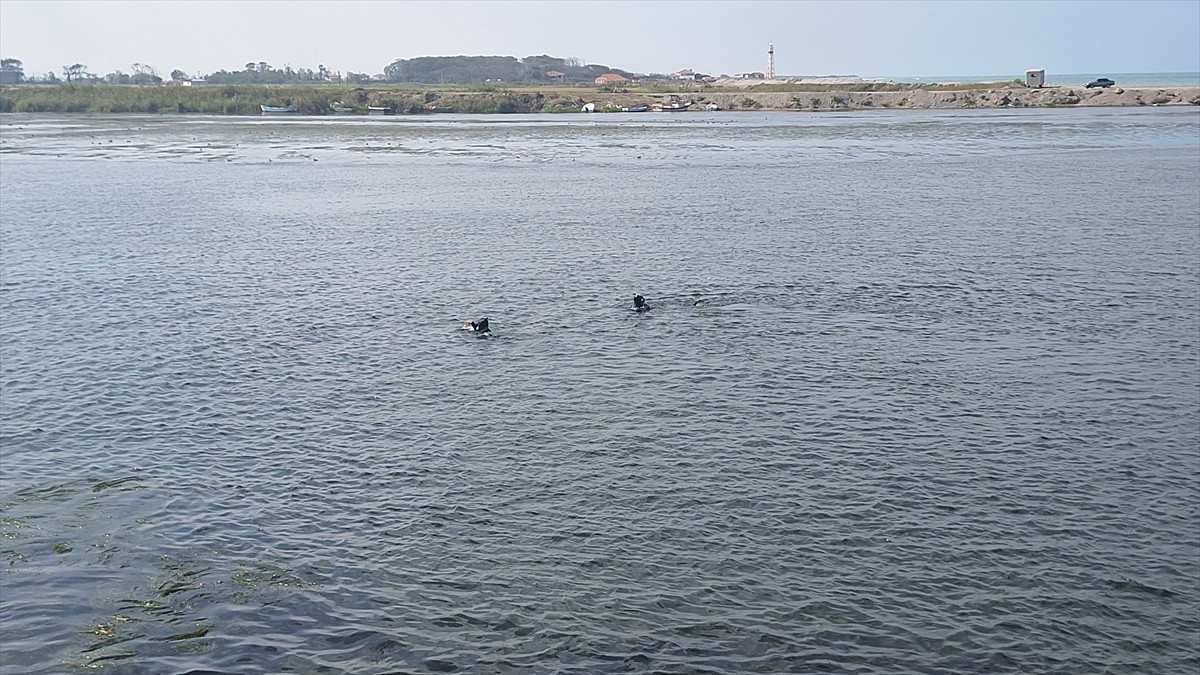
[[325, 100], [1008, 97]]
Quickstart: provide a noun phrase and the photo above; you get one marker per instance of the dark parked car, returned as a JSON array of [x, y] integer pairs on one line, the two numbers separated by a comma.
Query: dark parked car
[[1102, 82]]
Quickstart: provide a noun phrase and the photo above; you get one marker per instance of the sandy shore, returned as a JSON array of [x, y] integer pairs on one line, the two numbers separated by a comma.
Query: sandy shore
[[1001, 97], [829, 97], [809, 94], [983, 97]]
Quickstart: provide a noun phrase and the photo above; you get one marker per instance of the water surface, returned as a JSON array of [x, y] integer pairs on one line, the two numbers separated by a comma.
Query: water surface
[[918, 393]]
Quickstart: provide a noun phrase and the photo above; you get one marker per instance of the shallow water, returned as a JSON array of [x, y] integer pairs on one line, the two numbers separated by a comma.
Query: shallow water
[[919, 393]]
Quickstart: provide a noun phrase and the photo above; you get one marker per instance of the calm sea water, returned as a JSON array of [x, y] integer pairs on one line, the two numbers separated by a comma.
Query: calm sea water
[[919, 393]]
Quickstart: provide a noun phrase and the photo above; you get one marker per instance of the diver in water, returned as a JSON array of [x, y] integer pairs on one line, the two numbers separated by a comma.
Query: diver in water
[[480, 326], [639, 304]]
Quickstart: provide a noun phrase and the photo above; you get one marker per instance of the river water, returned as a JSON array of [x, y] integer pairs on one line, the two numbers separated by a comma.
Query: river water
[[919, 393]]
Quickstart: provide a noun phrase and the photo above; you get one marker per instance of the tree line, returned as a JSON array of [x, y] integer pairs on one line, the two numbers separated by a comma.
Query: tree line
[[423, 70]]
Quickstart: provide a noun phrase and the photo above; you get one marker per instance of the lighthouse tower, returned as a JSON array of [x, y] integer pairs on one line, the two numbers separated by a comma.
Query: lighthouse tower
[[770, 60]]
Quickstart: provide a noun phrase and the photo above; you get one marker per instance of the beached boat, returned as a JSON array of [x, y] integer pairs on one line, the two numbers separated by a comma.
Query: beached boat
[[672, 103], [675, 106], [276, 110], [378, 110], [636, 108], [341, 109]]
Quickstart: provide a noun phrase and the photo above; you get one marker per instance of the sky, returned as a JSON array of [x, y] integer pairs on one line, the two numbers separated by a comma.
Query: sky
[[890, 38]]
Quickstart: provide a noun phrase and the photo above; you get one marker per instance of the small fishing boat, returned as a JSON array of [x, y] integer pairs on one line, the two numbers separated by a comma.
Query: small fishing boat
[[378, 110], [276, 110], [636, 108], [672, 105]]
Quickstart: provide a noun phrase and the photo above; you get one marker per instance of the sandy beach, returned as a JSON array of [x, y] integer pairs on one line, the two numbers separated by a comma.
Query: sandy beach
[[983, 97], [829, 96]]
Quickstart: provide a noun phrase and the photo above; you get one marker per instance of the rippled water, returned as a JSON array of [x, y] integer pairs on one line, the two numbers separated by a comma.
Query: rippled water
[[919, 393]]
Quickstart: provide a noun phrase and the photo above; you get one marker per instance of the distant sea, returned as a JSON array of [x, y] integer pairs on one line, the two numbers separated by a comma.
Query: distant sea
[[1125, 79]]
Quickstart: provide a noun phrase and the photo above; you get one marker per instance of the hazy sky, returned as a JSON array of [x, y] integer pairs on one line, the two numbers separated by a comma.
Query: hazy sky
[[873, 39]]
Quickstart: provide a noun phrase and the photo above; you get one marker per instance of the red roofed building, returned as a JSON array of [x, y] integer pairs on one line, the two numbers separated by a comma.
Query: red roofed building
[[611, 78], [555, 75]]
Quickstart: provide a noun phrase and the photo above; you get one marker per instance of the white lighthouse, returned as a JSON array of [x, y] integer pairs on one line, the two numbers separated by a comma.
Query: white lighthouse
[[770, 60]]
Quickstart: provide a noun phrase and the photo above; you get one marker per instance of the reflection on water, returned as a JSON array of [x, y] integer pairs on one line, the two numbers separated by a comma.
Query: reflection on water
[[911, 397]]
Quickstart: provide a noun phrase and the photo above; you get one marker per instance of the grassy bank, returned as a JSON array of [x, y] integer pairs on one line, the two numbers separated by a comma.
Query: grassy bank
[[417, 99], [246, 99], [213, 100], [325, 99]]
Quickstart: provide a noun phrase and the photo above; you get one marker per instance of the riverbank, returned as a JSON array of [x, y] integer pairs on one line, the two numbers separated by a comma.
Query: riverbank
[[1003, 97], [328, 100]]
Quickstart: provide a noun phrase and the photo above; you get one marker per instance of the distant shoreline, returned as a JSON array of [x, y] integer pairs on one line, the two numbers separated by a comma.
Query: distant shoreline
[[974, 97], [812, 94], [1129, 80]]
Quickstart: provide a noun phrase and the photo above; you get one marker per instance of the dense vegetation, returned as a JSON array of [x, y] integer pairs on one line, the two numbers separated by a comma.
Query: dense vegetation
[[469, 69], [323, 99], [468, 84], [246, 99], [210, 99], [263, 73], [424, 70]]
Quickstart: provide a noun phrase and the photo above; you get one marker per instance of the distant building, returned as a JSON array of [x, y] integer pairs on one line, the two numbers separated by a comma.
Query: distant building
[[1035, 78], [611, 78], [10, 76], [555, 75], [685, 74]]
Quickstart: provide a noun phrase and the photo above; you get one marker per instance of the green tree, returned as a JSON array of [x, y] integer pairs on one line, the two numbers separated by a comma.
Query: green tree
[[13, 66], [75, 72], [144, 74]]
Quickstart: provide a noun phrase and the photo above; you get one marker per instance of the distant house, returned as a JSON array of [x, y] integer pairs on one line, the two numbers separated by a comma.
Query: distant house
[[685, 74], [555, 75], [611, 79], [750, 76], [10, 76]]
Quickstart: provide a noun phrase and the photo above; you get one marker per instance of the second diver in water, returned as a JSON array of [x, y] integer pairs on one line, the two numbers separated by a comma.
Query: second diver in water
[[639, 304], [480, 326]]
